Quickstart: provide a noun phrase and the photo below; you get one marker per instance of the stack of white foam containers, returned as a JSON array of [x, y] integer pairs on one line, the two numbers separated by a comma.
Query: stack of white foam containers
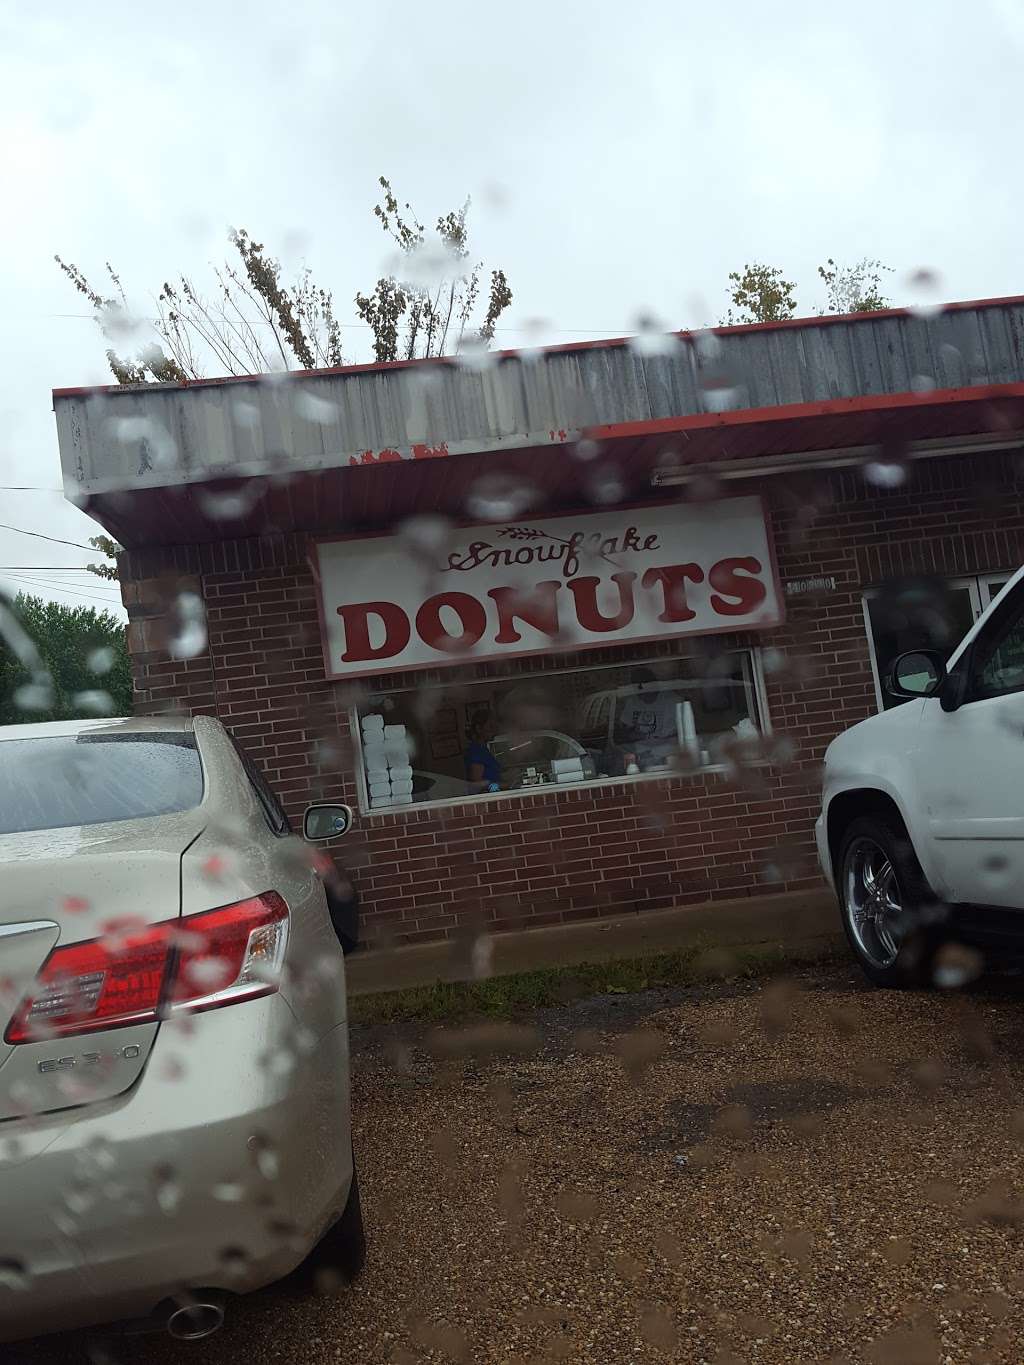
[[567, 769], [388, 758]]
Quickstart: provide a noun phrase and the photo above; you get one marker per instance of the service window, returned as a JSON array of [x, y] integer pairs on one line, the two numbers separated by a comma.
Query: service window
[[439, 743]]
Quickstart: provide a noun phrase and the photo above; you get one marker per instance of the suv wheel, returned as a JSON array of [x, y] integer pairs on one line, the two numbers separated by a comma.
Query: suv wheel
[[883, 897]]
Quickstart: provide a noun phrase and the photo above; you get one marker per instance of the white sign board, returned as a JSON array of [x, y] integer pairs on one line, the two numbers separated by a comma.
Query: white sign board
[[544, 584]]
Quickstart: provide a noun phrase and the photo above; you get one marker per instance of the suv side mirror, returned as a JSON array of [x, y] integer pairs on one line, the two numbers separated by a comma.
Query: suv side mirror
[[917, 674], [325, 820]]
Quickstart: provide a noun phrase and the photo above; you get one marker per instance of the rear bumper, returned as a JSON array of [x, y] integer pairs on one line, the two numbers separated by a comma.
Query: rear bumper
[[221, 1168]]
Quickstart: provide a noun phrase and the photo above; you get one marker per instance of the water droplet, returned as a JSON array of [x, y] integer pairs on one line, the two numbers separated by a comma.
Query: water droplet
[[229, 1191], [167, 1188], [885, 473], [189, 639], [426, 536], [922, 383], [95, 702], [651, 338], [245, 414], [235, 1262], [228, 504], [475, 354], [100, 661], [264, 1156], [277, 1061], [99, 1155], [210, 973], [924, 285], [586, 450], [497, 497], [316, 409], [37, 696], [14, 1274], [605, 486]]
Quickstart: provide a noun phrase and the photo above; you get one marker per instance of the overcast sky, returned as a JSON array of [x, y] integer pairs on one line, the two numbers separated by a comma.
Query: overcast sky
[[622, 158]]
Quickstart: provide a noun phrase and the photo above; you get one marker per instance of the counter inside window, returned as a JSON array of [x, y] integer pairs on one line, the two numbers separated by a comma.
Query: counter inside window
[[552, 730]]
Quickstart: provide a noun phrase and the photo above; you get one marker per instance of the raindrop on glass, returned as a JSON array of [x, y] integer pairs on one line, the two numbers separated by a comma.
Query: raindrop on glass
[[190, 637], [885, 473], [229, 1191], [264, 1156], [100, 661], [923, 287], [95, 702], [586, 450], [167, 1188], [14, 1274], [498, 497]]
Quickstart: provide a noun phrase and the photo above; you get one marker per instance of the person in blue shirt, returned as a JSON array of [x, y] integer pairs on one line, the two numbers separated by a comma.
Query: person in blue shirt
[[483, 771]]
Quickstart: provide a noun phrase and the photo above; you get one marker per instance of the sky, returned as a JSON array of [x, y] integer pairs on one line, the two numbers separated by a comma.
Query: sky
[[621, 159]]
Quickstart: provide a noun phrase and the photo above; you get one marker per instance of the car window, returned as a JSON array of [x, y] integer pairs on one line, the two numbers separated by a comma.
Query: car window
[[57, 781], [997, 661], [272, 808]]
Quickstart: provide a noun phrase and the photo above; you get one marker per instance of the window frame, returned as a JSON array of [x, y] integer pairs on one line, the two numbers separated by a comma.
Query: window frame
[[270, 802], [979, 586], [757, 690], [989, 637]]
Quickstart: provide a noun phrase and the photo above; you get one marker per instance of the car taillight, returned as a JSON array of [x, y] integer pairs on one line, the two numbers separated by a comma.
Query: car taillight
[[196, 963]]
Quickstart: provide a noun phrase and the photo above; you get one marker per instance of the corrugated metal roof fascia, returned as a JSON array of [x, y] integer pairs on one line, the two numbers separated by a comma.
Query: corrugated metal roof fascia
[[330, 418]]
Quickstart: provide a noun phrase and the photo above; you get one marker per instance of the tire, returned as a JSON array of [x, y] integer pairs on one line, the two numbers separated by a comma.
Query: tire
[[342, 1249], [344, 912], [890, 914]]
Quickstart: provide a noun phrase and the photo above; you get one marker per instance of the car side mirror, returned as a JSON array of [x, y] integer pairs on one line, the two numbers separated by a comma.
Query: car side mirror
[[326, 820], [920, 673]]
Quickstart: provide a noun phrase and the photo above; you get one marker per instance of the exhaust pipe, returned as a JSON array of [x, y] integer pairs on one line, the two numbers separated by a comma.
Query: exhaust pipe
[[200, 1316]]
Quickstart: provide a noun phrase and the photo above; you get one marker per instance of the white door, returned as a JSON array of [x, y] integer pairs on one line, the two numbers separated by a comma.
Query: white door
[[971, 767]]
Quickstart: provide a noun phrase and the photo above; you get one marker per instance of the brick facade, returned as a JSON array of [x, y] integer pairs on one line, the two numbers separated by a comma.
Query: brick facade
[[565, 854]]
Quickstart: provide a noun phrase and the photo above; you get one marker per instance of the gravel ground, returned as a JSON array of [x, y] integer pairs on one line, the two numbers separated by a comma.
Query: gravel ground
[[782, 1171]]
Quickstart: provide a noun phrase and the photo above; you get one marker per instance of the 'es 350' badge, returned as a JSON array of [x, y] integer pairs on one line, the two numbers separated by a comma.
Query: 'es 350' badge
[[127, 1053]]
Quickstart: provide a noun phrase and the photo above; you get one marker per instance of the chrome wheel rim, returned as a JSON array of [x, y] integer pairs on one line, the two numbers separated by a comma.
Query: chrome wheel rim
[[872, 901]]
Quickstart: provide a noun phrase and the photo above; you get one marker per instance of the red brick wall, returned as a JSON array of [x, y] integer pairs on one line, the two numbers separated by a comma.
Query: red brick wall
[[560, 855]]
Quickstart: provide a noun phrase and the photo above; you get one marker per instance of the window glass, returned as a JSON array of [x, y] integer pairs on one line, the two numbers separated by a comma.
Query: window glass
[[440, 743], [56, 781], [916, 614], [998, 664]]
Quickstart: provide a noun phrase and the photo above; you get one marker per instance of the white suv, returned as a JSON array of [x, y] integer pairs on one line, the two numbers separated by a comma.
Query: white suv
[[921, 831]]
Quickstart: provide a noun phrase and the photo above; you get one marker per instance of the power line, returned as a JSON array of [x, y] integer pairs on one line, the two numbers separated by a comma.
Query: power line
[[51, 587], [62, 568], [28, 488], [363, 327], [39, 536]]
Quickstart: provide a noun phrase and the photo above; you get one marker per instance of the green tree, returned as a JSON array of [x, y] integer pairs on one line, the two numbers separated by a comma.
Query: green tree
[[761, 294], [250, 322], [854, 288], [61, 663], [111, 549]]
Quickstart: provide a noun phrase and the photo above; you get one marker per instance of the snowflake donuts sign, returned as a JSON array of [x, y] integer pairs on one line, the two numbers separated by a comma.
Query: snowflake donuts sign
[[555, 583]]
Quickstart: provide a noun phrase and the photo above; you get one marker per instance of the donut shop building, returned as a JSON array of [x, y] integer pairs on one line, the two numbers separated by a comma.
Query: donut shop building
[[571, 630]]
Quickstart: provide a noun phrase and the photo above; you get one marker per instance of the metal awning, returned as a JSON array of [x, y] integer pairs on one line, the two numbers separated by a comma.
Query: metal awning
[[367, 446]]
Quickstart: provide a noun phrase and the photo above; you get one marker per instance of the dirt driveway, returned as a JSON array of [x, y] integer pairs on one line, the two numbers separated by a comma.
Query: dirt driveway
[[778, 1171]]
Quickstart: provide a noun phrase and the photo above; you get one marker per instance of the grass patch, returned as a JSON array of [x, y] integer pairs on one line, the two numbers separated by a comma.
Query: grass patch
[[503, 997]]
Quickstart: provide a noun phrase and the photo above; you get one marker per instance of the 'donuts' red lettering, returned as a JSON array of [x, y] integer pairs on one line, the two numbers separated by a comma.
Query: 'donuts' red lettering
[[730, 578], [355, 620], [432, 631], [584, 590], [673, 579], [538, 608]]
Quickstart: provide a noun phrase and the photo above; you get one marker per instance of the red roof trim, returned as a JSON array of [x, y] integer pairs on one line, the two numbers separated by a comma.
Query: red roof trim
[[881, 402], [825, 319]]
